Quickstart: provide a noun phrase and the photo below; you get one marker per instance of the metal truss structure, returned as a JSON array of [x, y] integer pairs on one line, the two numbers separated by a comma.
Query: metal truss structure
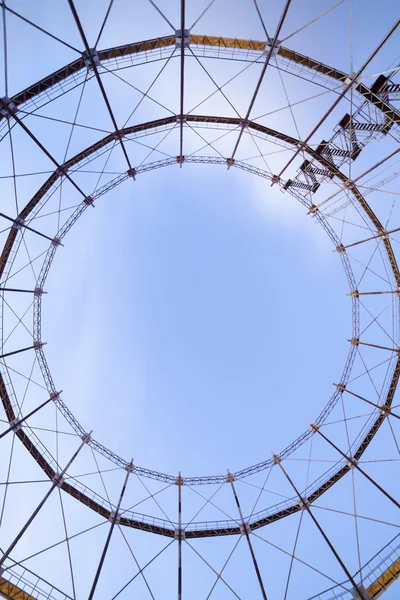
[[370, 120]]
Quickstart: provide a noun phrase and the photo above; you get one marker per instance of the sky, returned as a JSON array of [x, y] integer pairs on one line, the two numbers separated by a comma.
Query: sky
[[197, 317]]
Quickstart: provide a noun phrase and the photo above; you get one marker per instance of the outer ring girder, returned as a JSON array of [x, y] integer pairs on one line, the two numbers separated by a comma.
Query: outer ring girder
[[369, 94]]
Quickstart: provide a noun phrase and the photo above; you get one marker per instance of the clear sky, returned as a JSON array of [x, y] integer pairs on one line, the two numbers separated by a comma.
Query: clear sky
[[197, 318]]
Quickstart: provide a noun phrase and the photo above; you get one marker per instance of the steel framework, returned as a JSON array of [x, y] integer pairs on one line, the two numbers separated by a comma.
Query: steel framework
[[373, 117]]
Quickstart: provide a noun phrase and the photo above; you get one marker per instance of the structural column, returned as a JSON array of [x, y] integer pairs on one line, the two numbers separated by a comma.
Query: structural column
[[179, 534]]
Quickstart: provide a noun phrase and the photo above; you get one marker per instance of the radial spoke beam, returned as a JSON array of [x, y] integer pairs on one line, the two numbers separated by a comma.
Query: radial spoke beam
[[353, 463], [274, 42], [18, 422], [356, 293], [381, 234], [57, 39], [305, 504], [57, 481], [36, 346], [36, 291], [18, 223], [357, 342], [90, 56], [383, 407], [230, 479], [115, 516], [11, 112]]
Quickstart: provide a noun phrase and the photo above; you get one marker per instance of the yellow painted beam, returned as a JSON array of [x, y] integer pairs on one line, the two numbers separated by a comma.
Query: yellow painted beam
[[223, 42], [385, 580], [12, 592]]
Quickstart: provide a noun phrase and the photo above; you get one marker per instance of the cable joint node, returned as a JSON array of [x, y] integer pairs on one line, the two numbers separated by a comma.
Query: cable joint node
[[276, 459], [38, 345], [179, 480], [56, 241], [352, 462], [341, 387], [86, 437], [130, 467], [245, 528], [114, 517], [268, 47], [19, 223], [15, 425], [58, 479], [178, 38], [91, 57], [89, 201], [304, 503], [10, 108], [179, 534]]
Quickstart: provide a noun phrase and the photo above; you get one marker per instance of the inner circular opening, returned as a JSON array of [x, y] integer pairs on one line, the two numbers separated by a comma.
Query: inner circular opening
[[198, 319]]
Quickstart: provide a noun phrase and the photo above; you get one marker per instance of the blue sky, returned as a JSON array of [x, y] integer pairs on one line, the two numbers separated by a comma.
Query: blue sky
[[197, 318]]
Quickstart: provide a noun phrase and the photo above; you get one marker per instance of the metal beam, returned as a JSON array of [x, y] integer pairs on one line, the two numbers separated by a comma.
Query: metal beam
[[6, 107], [114, 518], [179, 482], [383, 407], [36, 346], [264, 69], [98, 78], [230, 479], [304, 504], [19, 422], [35, 291], [19, 223], [354, 463], [182, 82], [238, 44]]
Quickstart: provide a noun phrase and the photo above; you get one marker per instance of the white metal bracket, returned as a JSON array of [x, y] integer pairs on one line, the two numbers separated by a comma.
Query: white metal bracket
[[4, 112], [18, 223], [353, 80], [245, 528], [352, 462], [178, 38], [179, 534], [116, 516], [268, 47], [58, 480], [15, 426], [94, 55], [304, 503]]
